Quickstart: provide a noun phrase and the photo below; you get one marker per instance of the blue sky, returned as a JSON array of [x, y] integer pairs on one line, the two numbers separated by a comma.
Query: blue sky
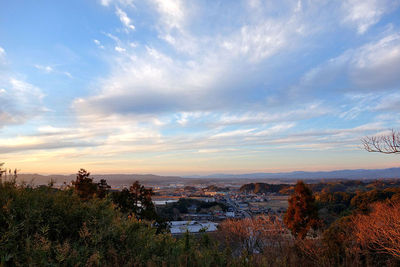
[[184, 87]]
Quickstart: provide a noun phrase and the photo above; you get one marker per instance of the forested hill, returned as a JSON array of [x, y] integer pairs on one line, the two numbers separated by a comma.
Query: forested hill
[[326, 187], [259, 188]]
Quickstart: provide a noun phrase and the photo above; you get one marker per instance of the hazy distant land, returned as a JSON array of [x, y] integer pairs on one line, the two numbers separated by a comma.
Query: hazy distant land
[[119, 179]]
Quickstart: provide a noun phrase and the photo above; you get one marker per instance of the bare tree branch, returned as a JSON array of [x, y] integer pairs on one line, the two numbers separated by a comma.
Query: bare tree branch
[[387, 144], [380, 230]]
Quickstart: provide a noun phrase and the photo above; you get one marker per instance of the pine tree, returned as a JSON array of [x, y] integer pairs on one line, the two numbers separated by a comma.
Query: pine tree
[[103, 188], [302, 213], [136, 201], [84, 186]]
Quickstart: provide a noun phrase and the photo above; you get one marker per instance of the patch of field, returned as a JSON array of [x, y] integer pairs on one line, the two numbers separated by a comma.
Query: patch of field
[[277, 202]]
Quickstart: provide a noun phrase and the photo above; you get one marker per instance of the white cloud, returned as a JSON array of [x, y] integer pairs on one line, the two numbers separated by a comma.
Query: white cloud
[[50, 69], [184, 117], [105, 2], [278, 128], [235, 133], [202, 73], [47, 69], [98, 43], [260, 41], [256, 133], [24, 90], [48, 129], [374, 66], [377, 65], [215, 77], [173, 17], [154, 83], [365, 13], [20, 101], [172, 13], [120, 49], [121, 2], [113, 37], [69, 75], [204, 83], [389, 102], [217, 150], [126, 21], [2, 54], [298, 112]]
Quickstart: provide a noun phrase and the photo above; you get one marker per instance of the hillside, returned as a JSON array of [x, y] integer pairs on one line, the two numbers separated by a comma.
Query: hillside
[[337, 174]]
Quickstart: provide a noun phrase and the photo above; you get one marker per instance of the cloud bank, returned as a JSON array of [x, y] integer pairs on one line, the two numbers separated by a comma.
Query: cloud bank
[[227, 80]]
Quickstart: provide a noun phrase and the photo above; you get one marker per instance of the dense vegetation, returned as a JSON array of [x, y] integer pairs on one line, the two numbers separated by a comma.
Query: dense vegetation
[[259, 188], [302, 214], [86, 225], [173, 211], [323, 187], [349, 186], [47, 227]]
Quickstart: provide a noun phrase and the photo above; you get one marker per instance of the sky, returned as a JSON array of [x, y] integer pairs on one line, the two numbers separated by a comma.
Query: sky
[[197, 87]]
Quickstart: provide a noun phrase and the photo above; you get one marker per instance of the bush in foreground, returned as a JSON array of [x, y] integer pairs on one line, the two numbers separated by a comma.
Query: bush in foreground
[[47, 227]]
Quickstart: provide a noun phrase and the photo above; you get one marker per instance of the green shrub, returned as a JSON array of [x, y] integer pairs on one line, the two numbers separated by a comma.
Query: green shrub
[[48, 227]]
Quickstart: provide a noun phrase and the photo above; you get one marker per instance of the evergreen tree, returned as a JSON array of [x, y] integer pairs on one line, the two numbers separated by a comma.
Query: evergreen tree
[[302, 213], [103, 188], [84, 186], [136, 201], [123, 201]]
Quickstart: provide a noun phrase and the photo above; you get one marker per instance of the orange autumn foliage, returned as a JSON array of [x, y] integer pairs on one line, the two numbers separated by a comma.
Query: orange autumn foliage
[[380, 230]]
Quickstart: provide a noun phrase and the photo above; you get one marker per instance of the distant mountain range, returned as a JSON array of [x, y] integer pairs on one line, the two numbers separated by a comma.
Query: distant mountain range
[[339, 174], [116, 179], [282, 176]]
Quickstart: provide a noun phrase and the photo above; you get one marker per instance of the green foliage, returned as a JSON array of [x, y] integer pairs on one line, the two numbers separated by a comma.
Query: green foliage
[[48, 227], [302, 213], [333, 206], [44, 226], [136, 201], [172, 211], [325, 187], [84, 186], [362, 200], [103, 189], [258, 188], [338, 241]]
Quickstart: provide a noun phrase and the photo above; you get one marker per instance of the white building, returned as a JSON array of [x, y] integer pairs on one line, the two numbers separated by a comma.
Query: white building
[[180, 227], [230, 214]]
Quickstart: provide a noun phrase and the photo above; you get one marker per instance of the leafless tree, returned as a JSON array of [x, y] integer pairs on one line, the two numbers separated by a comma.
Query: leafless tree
[[387, 144], [255, 234], [7, 172], [380, 230]]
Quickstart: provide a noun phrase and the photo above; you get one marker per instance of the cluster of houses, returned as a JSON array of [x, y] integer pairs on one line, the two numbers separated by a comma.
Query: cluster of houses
[[237, 205]]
